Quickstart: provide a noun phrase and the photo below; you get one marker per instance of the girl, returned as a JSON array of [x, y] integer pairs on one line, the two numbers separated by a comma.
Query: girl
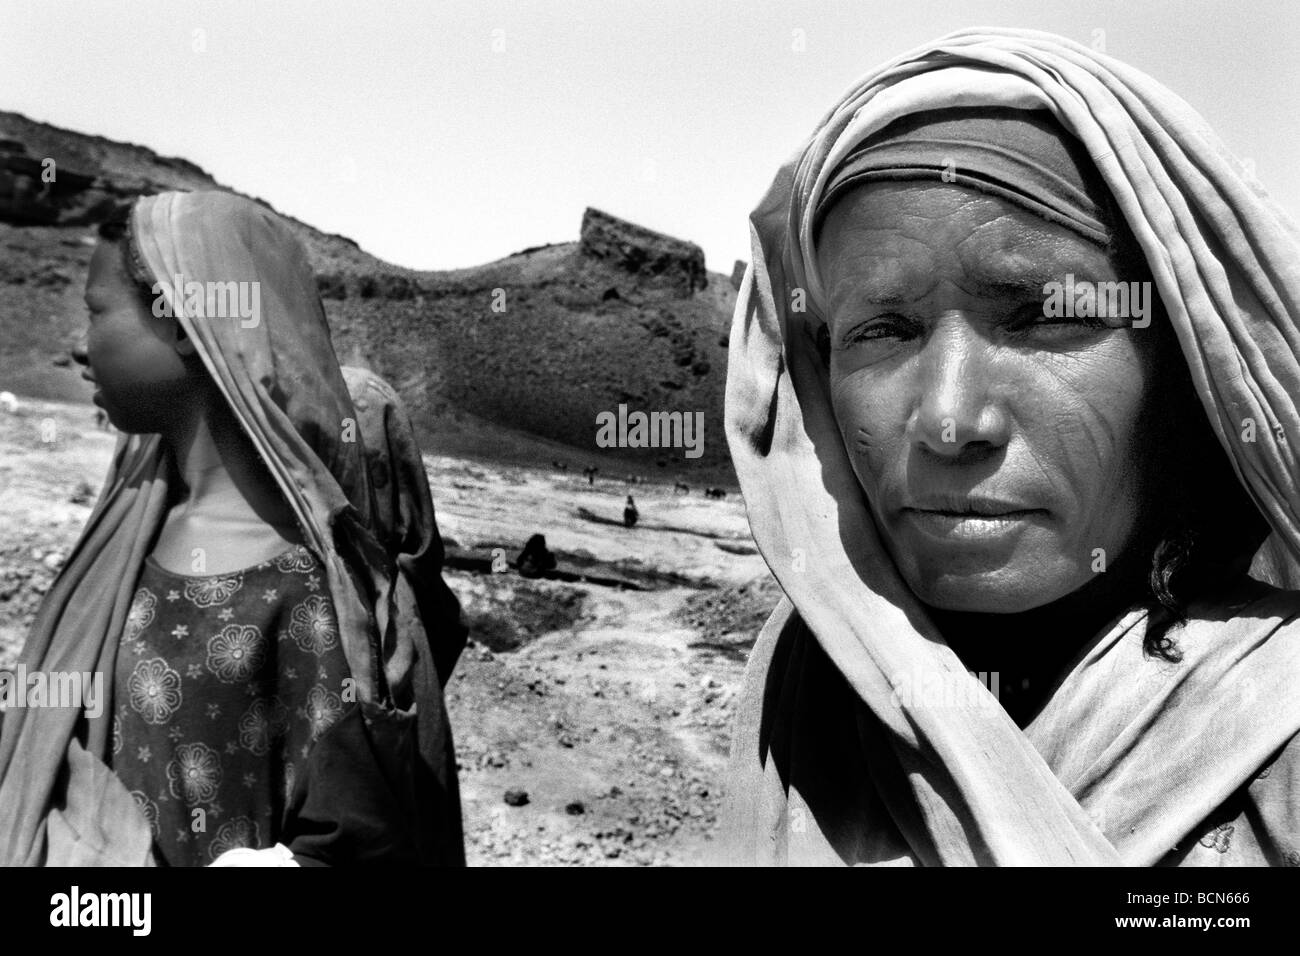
[[232, 584]]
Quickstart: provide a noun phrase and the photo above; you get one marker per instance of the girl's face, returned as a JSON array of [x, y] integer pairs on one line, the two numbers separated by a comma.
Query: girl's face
[[1003, 451], [142, 365]]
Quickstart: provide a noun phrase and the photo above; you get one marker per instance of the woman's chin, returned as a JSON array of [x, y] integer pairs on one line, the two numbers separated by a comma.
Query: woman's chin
[[1003, 591]]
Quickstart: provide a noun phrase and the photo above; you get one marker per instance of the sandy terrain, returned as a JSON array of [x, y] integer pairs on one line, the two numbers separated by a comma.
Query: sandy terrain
[[601, 711]]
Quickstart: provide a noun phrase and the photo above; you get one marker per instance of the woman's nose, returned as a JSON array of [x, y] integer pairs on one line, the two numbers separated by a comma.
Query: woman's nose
[[958, 411]]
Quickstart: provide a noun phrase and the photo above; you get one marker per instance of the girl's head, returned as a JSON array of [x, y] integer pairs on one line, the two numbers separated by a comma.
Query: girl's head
[[204, 309], [143, 366]]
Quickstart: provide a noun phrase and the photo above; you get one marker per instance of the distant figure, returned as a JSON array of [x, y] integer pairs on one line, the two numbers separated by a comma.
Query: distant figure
[[683, 488], [536, 559], [101, 419], [590, 472], [630, 513], [715, 492]]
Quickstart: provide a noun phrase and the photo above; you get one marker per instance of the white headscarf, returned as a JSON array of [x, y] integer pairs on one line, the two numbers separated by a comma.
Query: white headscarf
[[829, 762]]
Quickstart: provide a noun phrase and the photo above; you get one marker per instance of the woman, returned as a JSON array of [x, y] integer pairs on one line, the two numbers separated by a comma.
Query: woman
[[949, 471], [234, 584]]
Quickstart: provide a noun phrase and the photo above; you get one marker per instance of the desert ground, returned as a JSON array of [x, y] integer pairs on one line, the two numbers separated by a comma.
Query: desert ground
[[591, 711]]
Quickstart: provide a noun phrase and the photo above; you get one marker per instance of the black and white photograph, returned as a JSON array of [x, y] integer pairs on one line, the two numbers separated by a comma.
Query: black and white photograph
[[677, 435]]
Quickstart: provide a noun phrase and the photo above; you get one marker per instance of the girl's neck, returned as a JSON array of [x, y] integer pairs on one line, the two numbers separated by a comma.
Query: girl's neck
[[220, 470]]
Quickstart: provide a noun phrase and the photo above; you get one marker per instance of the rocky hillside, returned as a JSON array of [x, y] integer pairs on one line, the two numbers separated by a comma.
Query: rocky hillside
[[513, 359]]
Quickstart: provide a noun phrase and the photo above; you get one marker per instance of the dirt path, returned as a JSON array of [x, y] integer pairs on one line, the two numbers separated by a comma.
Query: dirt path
[[615, 730]]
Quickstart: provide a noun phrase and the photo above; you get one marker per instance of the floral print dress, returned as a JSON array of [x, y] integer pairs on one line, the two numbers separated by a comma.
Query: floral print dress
[[223, 684]]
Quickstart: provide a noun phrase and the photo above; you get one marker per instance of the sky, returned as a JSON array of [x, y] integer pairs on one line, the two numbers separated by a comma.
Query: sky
[[447, 134]]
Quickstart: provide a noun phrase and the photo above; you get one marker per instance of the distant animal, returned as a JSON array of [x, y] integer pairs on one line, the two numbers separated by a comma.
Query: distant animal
[[630, 513], [684, 489], [9, 402], [715, 492]]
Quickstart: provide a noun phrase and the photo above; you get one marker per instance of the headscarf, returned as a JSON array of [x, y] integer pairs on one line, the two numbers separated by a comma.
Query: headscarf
[[280, 377], [1017, 155], [833, 759]]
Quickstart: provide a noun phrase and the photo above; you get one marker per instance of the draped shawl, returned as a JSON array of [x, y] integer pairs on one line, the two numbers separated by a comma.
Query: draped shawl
[[833, 759]]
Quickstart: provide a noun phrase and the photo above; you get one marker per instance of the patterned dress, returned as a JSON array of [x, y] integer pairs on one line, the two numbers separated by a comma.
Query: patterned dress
[[223, 684]]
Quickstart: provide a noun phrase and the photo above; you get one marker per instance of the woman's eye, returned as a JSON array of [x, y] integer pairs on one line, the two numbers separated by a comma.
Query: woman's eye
[[890, 326], [1033, 318]]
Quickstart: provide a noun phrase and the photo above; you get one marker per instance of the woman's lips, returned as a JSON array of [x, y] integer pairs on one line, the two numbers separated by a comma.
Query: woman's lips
[[968, 525]]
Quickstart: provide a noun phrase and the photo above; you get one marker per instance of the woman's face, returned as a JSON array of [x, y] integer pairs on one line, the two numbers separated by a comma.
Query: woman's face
[[1001, 450], [137, 361]]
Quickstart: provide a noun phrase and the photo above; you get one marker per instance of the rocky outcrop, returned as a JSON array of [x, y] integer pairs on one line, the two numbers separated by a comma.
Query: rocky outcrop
[[652, 257], [487, 358], [37, 192], [738, 274]]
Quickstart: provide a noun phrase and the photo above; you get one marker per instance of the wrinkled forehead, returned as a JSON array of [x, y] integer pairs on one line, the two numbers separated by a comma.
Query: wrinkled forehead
[[1023, 157], [890, 244]]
